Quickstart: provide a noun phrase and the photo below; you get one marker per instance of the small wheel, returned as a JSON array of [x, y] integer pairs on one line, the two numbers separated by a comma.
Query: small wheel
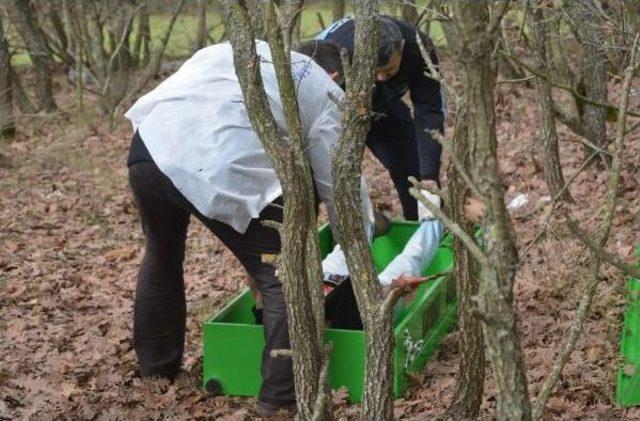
[[213, 386]]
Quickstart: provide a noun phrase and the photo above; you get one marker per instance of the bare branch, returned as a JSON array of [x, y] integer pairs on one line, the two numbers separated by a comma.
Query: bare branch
[[496, 19], [459, 166], [567, 88], [455, 229]]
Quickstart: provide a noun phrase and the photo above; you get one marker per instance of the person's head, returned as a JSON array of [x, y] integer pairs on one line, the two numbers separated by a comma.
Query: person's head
[[390, 45], [327, 55]]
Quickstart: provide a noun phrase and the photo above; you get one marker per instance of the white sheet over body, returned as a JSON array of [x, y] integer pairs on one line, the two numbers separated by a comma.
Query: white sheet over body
[[415, 257]]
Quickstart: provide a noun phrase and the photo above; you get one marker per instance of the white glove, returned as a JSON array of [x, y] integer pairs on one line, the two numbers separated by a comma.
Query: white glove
[[423, 212]]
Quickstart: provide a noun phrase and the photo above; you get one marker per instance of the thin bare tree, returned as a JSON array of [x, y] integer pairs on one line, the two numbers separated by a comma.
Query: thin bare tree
[[583, 17], [475, 30], [203, 32], [298, 264], [24, 18], [7, 121], [338, 9], [548, 134]]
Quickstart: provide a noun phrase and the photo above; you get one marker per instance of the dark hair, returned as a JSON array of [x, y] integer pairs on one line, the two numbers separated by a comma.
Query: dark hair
[[390, 39], [325, 53]]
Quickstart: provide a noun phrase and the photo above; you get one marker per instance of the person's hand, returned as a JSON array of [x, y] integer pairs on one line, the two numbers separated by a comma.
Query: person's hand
[[407, 283], [474, 210]]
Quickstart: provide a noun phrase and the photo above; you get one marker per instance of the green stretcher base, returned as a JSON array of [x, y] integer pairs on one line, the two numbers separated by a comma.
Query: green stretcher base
[[233, 343]]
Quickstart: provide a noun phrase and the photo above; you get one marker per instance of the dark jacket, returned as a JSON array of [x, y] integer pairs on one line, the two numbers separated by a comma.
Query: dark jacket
[[428, 110]]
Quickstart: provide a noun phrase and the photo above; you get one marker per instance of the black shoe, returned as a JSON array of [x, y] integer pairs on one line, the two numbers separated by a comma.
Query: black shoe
[[270, 410]]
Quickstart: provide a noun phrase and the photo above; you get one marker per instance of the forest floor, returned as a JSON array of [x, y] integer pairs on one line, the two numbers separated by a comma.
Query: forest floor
[[71, 242]]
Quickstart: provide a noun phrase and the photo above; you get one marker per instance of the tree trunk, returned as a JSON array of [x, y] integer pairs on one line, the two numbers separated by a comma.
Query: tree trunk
[[23, 17], [7, 122], [548, 135], [375, 310], [409, 11], [470, 379], [338, 9], [19, 95], [633, 11], [59, 44], [255, 14], [140, 52], [298, 263], [495, 297], [583, 16], [201, 37]]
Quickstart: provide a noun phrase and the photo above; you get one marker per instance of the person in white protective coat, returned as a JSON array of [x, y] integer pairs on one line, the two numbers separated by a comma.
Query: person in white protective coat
[[195, 152]]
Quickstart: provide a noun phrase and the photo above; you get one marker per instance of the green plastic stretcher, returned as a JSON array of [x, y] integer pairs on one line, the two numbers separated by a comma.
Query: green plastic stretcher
[[628, 390], [233, 343]]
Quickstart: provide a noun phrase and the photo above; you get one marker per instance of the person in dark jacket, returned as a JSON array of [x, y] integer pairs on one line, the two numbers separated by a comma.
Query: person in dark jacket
[[400, 141]]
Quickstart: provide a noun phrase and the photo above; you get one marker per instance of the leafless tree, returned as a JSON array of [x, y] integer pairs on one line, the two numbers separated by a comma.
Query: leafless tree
[[582, 16], [548, 135], [142, 43], [7, 122], [203, 33], [337, 9], [471, 373], [409, 11], [23, 17], [475, 29], [375, 308], [299, 261], [595, 242]]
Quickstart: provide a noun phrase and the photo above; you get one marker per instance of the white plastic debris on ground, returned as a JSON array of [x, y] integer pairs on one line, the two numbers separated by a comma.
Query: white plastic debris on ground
[[517, 202]]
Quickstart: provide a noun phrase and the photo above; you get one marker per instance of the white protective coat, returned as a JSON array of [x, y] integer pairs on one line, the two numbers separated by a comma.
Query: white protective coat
[[196, 128]]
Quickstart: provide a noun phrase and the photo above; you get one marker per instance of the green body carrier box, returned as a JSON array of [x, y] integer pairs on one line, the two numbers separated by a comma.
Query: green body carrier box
[[233, 343], [628, 390]]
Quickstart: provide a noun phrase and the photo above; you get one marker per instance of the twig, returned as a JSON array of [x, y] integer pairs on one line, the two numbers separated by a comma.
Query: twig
[[398, 291], [524, 79], [497, 18], [270, 259], [116, 51], [565, 87], [335, 100], [632, 128], [427, 187], [434, 73], [154, 66], [320, 20], [603, 254], [453, 227], [272, 224], [457, 164], [554, 200]]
